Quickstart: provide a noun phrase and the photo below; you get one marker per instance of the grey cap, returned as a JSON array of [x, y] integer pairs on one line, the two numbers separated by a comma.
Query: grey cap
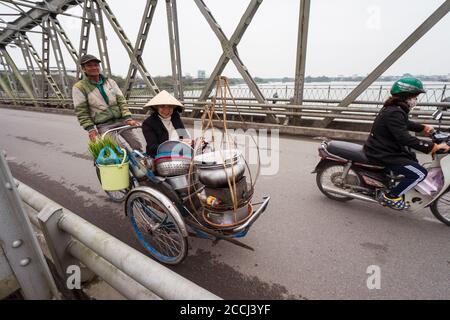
[[89, 57]]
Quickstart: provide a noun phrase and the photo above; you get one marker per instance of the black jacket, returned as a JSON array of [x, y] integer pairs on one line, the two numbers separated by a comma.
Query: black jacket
[[389, 141], [156, 133]]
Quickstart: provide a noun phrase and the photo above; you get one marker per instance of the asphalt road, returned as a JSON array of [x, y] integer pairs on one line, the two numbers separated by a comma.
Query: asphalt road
[[306, 245]]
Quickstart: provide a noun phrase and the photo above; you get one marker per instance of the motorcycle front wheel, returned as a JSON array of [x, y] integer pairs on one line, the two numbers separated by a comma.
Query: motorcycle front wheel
[[331, 175], [441, 208]]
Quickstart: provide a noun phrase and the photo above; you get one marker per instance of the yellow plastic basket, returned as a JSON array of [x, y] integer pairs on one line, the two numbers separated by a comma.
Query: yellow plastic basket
[[115, 176]]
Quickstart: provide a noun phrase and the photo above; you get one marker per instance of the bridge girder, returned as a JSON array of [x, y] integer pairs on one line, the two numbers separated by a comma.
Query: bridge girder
[[34, 18]]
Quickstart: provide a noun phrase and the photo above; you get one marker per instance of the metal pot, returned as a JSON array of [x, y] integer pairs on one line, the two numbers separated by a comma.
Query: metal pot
[[215, 168], [172, 167], [173, 158], [225, 194], [228, 219], [185, 184]]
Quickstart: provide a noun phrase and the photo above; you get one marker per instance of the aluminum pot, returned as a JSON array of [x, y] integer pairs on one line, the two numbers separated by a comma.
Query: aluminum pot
[[185, 184], [228, 219], [173, 158], [215, 168], [172, 166], [225, 194]]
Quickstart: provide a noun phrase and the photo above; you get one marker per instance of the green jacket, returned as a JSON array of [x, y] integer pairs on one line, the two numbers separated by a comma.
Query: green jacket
[[98, 103]]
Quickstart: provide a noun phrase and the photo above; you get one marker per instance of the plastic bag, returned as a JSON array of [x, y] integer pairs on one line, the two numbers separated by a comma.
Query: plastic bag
[[108, 156], [122, 154]]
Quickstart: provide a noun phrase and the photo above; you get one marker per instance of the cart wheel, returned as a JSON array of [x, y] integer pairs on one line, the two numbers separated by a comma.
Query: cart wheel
[[116, 196], [157, 224]]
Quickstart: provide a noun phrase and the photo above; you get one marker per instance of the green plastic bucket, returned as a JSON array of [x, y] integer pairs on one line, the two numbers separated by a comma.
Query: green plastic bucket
[[115, 176]]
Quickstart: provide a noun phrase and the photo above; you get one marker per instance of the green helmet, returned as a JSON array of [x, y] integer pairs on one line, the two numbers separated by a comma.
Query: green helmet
[[407, 85]]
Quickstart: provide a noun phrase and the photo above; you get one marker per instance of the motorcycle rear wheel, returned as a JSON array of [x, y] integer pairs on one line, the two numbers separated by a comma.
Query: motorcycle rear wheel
[[330, 174], [441, 208]]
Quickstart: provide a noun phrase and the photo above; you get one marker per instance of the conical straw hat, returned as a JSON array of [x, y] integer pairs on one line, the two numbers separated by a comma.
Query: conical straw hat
[[163, 98]]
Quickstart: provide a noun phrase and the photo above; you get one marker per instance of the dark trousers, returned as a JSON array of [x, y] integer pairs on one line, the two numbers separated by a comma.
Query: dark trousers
[[413, 173]]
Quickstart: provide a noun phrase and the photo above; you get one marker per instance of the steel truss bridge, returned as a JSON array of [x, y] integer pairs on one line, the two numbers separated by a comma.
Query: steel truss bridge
[[45, 87]]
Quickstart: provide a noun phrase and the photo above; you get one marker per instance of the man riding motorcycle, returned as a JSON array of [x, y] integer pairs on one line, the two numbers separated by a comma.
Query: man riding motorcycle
[[389, 143]]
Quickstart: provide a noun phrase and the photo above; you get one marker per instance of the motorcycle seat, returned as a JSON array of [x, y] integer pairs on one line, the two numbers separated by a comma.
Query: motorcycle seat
[[348, 150]]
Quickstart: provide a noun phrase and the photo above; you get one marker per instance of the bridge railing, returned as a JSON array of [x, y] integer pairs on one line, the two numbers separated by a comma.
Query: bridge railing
[[249, 109], [75, 244]]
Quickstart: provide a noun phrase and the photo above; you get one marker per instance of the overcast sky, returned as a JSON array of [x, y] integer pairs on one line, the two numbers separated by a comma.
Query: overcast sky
[[346, 37]]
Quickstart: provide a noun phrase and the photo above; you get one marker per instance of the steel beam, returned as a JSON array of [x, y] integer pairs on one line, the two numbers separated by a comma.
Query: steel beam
[[65, 39], [40, 6], [45, 71], [29, 64], [34, 17], [84, 35], [19, 244], [97, 20], [17, 74], [172, 22], [141, 39], [230, 51], [7, 90], [46, 61], [128, 46], [230, 48], [9, 75], [58, 55], [8, 281], [434, 18], [302, 41]]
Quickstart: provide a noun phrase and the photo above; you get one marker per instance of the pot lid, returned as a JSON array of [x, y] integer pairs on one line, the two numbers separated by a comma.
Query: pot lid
[[217, 157], [175, 148]]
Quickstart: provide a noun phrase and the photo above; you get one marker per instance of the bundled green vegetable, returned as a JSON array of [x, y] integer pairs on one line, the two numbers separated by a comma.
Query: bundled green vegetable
[[96, 146]]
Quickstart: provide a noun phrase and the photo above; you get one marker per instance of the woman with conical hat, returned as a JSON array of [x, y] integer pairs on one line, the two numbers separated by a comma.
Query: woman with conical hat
[[164, 123]]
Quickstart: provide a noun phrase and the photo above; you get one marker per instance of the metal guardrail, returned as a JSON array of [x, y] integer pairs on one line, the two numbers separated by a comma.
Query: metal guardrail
[[129, 271], [315, 92], [360, 111], [72, 240]]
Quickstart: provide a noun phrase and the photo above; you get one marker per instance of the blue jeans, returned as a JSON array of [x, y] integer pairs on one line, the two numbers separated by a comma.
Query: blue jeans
[[413, 172]]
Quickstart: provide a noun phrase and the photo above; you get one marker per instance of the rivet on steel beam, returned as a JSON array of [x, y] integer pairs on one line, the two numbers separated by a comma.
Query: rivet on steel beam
[[25, 262], [17, 243]]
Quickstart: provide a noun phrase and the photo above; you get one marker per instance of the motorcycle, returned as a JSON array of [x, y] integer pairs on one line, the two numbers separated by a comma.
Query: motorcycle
[[344, 173]]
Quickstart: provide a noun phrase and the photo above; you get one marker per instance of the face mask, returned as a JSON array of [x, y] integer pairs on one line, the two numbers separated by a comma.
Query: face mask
[[412, 102]]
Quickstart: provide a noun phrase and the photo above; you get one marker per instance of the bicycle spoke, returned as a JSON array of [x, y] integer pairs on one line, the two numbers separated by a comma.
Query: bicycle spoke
[[176, 244], [169, 250], [159, 232], [143, 218], [445, 201]]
